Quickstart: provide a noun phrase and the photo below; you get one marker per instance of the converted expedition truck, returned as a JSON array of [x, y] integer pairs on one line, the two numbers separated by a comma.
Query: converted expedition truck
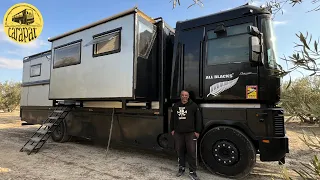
[[116, 80]]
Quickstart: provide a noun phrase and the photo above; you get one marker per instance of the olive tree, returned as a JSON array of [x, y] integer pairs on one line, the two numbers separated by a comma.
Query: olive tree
[[9, 95]]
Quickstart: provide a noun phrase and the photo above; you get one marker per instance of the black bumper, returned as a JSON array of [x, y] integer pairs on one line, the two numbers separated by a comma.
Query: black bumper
[[273, 149]]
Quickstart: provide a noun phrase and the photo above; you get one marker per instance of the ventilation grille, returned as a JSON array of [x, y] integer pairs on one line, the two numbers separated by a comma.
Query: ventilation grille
[[278, 123]]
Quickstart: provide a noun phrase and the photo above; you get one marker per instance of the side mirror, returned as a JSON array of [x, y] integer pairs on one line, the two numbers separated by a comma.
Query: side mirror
[[254, 31], [255, 49]]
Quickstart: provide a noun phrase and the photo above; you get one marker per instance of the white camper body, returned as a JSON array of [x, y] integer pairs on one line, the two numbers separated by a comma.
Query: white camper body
[[99, 61], [35, 80]]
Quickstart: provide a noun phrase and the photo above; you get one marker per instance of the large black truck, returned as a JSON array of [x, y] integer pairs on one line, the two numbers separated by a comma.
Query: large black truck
[[126, 71]]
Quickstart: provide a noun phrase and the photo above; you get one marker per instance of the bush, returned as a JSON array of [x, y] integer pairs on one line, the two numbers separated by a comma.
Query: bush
[[302, 99], [9, 95]]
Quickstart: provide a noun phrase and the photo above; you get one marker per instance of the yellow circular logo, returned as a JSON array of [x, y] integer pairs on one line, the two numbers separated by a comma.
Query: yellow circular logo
[[23, 23]]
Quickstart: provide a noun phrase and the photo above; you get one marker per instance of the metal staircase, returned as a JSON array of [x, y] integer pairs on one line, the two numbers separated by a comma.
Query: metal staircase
[[40, 137]]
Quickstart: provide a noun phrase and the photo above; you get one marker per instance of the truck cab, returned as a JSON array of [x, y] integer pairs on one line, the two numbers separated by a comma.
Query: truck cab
[[216, 62], [226, 61]]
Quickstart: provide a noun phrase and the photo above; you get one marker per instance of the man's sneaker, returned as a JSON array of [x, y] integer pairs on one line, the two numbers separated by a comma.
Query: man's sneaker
[[180, 172], [193, 175]]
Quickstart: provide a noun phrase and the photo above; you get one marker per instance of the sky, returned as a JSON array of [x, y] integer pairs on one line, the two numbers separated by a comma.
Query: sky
[[62, 16]]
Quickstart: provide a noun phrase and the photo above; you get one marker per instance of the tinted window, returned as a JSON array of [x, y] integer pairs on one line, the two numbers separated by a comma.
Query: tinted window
[[228, 50], [107, 43], [68, 55], [232, 47], [146, 35], [35, 70]]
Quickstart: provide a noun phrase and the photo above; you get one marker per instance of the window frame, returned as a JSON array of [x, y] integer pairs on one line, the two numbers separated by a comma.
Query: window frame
[[116, 30], [79, 42], [39, 64], [142, 20], [207, 39]]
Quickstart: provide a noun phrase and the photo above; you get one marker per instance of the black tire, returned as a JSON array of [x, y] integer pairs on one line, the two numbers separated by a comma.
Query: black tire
[[227, 152], [60, 134]]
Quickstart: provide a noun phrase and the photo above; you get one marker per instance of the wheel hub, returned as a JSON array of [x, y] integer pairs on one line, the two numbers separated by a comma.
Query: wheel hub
[[58, 130], [225, 153]]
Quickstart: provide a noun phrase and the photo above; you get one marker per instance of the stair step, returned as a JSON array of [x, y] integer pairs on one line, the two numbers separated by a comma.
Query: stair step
[[29, 147], [43, 131], [54, 117], [36, 139], [40, 138], [49, 124], [58, 111]]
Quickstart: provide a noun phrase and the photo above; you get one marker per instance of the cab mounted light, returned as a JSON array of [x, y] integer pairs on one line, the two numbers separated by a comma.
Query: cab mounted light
[[220, 28]]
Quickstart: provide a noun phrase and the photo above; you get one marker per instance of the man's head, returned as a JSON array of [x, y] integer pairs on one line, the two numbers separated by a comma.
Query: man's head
[[184, 95]]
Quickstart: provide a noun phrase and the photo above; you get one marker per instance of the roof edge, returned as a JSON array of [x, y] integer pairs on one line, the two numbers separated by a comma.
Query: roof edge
[[33, 56], [121, 14], [255, 8]]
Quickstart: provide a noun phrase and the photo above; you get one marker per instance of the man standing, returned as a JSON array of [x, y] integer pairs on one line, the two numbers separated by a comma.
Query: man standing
[[186, 125]]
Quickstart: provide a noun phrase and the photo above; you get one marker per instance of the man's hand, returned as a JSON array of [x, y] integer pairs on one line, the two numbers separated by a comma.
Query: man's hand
[[197, 134], [172, 132]]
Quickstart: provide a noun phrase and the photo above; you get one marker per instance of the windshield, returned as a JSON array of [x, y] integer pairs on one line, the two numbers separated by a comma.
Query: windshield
[[270, 42]]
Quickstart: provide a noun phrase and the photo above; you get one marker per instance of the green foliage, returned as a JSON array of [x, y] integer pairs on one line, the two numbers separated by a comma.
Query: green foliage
[[9, 95], [307, 57], [302, 98]]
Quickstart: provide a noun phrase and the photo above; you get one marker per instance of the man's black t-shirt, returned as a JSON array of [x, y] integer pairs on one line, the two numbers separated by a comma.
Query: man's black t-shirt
[[185, 117]]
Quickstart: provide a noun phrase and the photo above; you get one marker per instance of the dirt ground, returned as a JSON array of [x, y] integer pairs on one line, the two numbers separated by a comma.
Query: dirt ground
[[75, 160]]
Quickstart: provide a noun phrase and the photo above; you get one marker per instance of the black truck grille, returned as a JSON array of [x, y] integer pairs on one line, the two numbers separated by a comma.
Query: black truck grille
[[278, 124]]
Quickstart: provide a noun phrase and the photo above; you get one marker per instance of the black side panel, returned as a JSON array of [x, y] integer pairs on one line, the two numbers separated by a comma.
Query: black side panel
[[148, 75], [169, 37], [175, 74], [165, 55], [34, 114], [255, 122], [135, 130], [234, 117]]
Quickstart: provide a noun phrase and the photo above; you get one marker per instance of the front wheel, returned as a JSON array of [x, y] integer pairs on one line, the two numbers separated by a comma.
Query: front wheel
[[227, 152]]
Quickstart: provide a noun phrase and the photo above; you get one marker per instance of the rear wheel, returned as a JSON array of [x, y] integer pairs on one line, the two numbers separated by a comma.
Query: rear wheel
[[60, 134], [227, 152]]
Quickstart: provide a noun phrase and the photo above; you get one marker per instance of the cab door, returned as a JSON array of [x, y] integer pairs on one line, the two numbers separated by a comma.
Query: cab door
[[191, 51], [228, 73]]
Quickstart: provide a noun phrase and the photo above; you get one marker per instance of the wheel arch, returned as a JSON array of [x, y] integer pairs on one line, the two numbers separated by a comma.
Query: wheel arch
[[237, 125]]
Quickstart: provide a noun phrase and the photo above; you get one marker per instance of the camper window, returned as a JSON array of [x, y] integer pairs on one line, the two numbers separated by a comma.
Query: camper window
[[106, 43], [228, 47], [35, 70], [146, 36], [67, 55]]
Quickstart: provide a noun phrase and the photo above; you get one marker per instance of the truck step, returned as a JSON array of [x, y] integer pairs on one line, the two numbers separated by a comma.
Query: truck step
[[49, 124], [54, 117], [37, 139], [30, 147], [47, 128], [43, 131], [58, 111]]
